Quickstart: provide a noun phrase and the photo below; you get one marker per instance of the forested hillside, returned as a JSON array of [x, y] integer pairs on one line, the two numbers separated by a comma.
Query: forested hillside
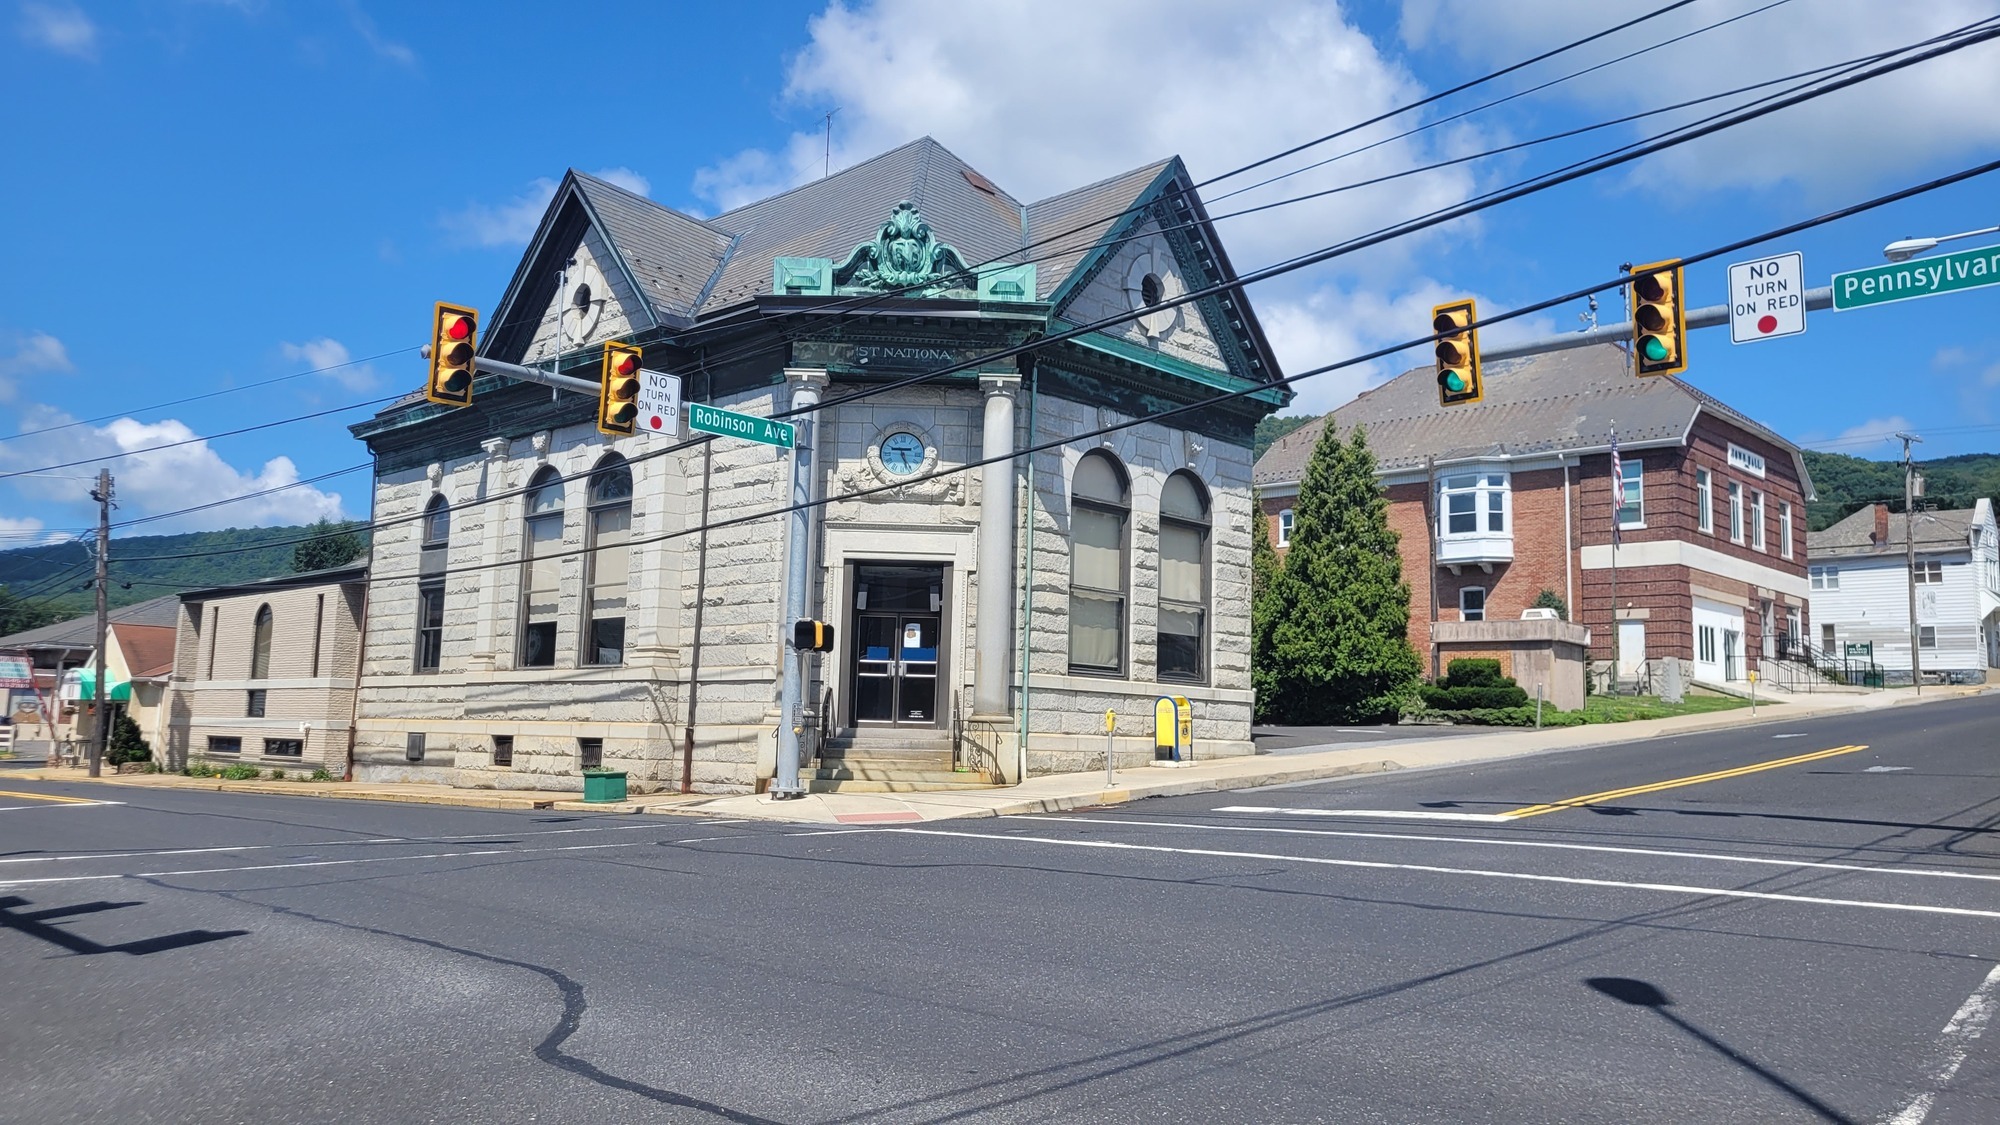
[[48, 583], [1845, 483]]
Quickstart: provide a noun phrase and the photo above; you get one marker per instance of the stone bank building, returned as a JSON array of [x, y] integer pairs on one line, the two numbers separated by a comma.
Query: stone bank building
[[543, 599]]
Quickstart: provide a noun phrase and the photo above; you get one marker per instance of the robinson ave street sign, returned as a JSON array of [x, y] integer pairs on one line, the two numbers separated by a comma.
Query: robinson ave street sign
[[749, 427], [1920, 277], [1767, 298]]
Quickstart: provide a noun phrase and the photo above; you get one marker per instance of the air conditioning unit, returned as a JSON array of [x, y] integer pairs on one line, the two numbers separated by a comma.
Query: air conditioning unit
[[1540, 613]]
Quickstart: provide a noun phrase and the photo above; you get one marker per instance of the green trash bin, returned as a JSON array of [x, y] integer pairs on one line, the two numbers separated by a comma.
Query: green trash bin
[[603, 786]]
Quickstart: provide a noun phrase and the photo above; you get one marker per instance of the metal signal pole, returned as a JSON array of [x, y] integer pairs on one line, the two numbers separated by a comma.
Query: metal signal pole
[[100, 691], [1910, 558]]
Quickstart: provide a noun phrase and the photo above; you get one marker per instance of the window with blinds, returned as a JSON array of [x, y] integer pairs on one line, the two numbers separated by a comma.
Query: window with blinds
[[1100, 515]]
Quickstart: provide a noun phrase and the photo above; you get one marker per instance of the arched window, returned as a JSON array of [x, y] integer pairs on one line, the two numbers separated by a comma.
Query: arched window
[[260, 645], [1184, 523], [430, 583], [542, 571], [1099, 524], [1285, 518], [609, 561]]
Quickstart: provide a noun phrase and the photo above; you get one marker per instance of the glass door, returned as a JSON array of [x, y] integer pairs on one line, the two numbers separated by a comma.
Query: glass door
[[917, 671], [875, 668]]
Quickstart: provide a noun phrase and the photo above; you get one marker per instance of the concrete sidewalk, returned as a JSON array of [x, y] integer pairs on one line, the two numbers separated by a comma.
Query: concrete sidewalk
[[1054, 792], [1057, 792]]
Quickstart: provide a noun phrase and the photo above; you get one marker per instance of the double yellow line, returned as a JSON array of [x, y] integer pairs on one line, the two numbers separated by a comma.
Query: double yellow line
[[48, 797], [1676, 783]]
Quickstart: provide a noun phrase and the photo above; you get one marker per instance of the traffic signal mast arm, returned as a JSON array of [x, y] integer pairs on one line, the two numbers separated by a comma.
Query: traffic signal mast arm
[[534, 375], [1710, 317]]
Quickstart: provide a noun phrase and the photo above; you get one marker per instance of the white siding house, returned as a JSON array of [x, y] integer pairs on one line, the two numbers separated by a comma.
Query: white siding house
[[1861, 590]]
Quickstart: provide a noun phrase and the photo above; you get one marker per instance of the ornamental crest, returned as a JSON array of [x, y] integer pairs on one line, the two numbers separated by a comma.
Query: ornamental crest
[[904, 255]]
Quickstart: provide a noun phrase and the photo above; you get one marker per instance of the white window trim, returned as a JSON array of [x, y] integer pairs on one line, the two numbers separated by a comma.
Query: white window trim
[[1737, 514], [1785, 529], [1933, 642], [1638, 466], [1286, 517], [1758, 539], [1480, 491], [1464, 590], [1704, 493]]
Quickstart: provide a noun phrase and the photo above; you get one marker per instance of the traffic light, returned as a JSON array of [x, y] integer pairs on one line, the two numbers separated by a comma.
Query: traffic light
[[454, 341], [1659, 320], [1457, 353], [618, 394], [812, 636]]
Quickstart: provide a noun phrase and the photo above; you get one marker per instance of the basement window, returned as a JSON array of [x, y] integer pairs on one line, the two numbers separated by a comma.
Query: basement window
[[590, 752], [503, 750]]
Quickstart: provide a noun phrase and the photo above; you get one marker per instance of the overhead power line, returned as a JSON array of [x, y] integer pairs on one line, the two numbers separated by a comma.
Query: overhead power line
[[1953, 41]]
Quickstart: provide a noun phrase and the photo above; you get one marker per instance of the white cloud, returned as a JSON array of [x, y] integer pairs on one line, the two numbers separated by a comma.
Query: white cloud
[[36, 353], [62, 28], [513, 222], [1127, 82], [162, 480], [1860, 440], [1865, 134], [329, 357], [390, 49]]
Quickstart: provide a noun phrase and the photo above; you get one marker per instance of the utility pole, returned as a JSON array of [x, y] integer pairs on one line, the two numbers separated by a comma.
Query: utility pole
[[1910, 557], [100, 691]]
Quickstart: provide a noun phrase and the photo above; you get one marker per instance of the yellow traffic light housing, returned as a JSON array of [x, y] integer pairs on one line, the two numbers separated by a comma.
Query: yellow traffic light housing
[[1659, 319], [812, 636], [1457, 353], [454, 342], [618, 393]]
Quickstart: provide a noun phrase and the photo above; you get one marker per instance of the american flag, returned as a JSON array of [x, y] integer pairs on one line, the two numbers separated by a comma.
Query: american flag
[[1617, 486]]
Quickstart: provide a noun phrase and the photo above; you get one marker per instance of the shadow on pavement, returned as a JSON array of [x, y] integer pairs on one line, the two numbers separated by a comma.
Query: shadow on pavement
[[36, 925]]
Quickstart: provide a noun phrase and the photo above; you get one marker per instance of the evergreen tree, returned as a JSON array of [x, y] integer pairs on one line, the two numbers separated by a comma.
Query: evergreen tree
[[332, 544], [1265, 569], [126, 743], [1337, 647]]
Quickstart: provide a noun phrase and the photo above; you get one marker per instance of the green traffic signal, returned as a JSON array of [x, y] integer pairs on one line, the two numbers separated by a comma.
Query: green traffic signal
[[1454, 381], [1656, 349]]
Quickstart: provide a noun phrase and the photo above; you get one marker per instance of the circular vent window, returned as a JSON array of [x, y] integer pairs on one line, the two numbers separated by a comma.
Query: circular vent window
[[1149, 290]]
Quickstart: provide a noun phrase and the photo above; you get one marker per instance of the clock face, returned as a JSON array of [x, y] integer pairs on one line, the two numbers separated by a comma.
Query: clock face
[[902, 453]]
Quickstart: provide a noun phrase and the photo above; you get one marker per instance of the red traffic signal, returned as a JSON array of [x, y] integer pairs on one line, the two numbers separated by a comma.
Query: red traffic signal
[[454, 344], [618, 392]]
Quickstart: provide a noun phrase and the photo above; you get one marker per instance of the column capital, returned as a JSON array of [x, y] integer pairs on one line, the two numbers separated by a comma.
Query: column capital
[[995, 383], [495, 447], [806, 376]]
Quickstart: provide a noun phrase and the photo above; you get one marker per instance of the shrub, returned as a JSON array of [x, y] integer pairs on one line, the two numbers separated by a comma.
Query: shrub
[[320, 774], [1549, 599], [239, 773], [126, 744], [1469, 698], [1516, 717], [1473, 671], [199, 768], [277, 775]]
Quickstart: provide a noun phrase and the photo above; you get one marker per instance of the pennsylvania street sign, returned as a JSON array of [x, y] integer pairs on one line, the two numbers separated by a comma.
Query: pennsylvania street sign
[[659, 404], [1921, 277], [1767, 298], [749, 427]]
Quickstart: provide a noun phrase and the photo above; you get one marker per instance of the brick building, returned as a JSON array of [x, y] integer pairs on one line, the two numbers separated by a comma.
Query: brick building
[[544, 599], [1711, 561]]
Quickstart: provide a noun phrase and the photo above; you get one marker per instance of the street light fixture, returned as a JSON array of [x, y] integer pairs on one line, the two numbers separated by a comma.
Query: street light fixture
[[1903, 249]]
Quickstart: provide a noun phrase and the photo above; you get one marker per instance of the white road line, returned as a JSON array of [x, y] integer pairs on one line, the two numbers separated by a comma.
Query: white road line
[[377, 840], [1498, 843], [1475, 872], [1373, 814], [726, 820], [1953, 1044], [314, 863], [60, 805], [1788, 736]]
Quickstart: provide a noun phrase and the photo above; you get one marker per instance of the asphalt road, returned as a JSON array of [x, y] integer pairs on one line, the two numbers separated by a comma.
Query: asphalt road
[[1814, 941]]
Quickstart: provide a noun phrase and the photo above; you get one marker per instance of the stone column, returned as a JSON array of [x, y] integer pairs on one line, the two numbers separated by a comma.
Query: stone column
[[994, 631], [492, 522]]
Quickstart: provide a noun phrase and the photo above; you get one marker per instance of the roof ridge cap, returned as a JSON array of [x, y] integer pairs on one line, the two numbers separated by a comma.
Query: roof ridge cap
[[1100, 183], [857, 165]]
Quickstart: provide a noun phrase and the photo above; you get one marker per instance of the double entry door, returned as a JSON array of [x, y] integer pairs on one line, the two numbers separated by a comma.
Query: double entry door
[[898, 645]]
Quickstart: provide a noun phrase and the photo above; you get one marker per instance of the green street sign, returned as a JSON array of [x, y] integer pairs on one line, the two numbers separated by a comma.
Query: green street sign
[[1919, 277], [749, 427]]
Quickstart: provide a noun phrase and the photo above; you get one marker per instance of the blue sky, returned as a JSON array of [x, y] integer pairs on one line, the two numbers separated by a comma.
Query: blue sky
[[204, 194]]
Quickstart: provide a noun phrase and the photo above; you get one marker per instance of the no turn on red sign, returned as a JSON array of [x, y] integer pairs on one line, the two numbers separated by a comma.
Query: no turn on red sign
[[1767, 298]]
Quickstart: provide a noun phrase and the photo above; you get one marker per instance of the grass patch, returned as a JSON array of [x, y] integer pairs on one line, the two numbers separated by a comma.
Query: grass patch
[[1629, 708]]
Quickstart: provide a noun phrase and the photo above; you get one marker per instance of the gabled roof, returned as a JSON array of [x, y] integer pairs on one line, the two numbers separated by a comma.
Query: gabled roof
[[148, 649], [81, 632], [1557, 402], [687, 268], [1936, 531]]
